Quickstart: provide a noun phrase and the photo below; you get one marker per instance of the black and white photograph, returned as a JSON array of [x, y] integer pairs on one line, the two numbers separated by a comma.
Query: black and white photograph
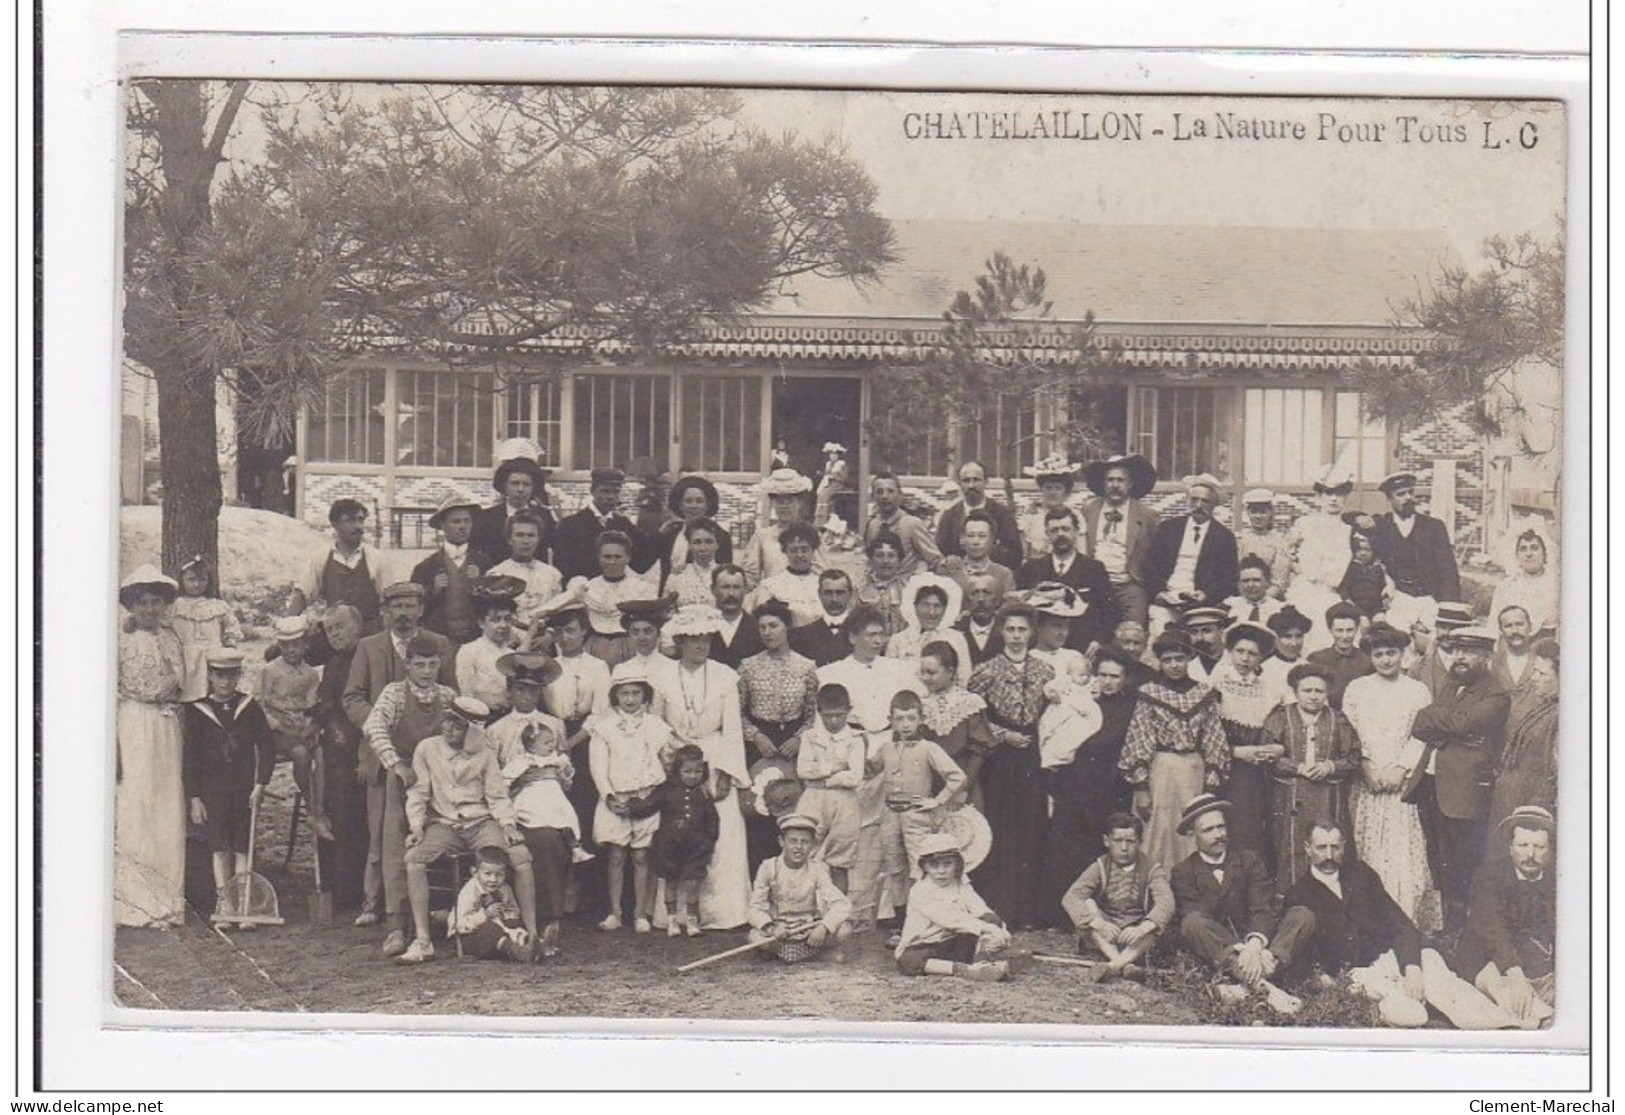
[[676, 552]]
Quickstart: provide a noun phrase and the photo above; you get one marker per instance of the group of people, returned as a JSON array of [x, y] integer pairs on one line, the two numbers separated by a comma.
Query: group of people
[[1275, 746]]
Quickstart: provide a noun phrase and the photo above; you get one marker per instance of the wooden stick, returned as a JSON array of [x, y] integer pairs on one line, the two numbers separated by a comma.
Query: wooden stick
[[738, 951], [1067, 961]]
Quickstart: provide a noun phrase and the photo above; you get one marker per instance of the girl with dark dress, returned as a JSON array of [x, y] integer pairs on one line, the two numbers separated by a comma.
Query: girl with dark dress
[[1366, 581], [1012, 684], [683, 844]]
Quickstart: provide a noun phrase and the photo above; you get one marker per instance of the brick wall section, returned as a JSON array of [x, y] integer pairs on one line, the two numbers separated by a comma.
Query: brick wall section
[[1449, 436]]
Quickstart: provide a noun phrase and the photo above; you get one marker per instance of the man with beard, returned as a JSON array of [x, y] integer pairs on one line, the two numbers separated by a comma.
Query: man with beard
[[1462, 729], [977, 624], [1065, 565], [1413, 547], [1090, 788], [824, 639], [1227, 912], [1117, 527], [1508, 947]]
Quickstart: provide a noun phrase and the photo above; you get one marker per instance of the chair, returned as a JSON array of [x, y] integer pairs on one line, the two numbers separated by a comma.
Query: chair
[[461, 868]]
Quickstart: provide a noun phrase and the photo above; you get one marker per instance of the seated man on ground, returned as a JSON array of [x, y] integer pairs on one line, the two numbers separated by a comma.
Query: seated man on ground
[[1122, 903], [794, 901], [1228, 915], [456, 805], [1507, 948]]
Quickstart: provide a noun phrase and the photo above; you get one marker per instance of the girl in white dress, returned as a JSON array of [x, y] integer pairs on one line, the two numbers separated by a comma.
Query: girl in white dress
[[702, 706], [1388, 831], [202, 620]]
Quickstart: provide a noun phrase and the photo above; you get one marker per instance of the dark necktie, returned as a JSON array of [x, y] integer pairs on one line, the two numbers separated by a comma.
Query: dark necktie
[[1113, 517], [1196, 535], [1254, 617]]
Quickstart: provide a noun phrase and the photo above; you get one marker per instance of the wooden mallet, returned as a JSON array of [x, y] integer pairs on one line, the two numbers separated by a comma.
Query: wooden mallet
[[737, 951]]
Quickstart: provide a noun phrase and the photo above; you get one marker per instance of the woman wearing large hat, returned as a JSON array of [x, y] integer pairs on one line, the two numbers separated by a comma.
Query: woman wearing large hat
[[931, 605], [786, 489], [521, 485], [1054, 477], [691, 500], [149, 809]]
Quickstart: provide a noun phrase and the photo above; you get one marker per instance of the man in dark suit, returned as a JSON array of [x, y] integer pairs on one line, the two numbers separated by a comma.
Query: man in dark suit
[[824, 639], [1356, 920], [1192, 559], [1508, 949], [1065, 565], [739, 637], [1413, 547], [519, 483], [1463, 729], [575, 543], [1227, 911], [1117, 527], [449, 573], [973, 496], [977, 624]]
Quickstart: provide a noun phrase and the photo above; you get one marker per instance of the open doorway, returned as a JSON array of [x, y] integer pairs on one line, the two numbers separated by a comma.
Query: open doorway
[[811, 411]]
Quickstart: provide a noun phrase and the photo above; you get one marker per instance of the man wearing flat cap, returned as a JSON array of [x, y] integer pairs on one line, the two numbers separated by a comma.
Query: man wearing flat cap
[[1413, 547], [1463, 730], [1192, 559], [575, 543]]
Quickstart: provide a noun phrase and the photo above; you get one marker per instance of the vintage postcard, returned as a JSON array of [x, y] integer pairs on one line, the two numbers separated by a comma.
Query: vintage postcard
[[676, 552]]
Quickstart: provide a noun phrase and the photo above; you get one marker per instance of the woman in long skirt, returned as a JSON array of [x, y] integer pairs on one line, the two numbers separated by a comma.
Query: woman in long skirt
[[150, 805], [1012, 684], [1320, 756], [1387, 830], [1175, 748], [1245, 699], [702, 707]]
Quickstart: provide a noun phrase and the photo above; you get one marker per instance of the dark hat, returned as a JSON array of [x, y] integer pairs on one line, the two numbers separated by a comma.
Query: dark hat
[[518, 464], [1173, 640], [453, 502], [1142, 477], [1336, 480], [674, 498], [1260, 634], [1198, 806], [1396, 481], [563, 618], [602, 476], [538, 669], [655, 610], [1307, 670], [1204, 613], [1385, 636], [1289, 619], [1528, 817]]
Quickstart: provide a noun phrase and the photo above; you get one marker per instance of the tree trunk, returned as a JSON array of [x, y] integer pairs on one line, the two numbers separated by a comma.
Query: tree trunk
[[190, 467]]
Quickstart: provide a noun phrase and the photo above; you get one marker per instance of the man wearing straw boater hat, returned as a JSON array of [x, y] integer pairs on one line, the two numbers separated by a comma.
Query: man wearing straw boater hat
[[1463, 729], [1508, 948], [520, 483], [1117, 527], [1227, 910], [449, 574], [1192, 559], [1413, 547], [575, 542]]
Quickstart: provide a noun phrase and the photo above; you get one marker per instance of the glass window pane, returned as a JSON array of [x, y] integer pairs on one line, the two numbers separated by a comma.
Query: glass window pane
[[348, 426]]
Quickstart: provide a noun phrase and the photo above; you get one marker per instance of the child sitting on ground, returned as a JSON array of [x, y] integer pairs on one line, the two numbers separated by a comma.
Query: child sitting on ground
[[288, 686], [949, 930], [487, 914], [626, 756], [682, 845], [226, 763], [830, 767], [1122, 903], [920, 780], [794, 902]]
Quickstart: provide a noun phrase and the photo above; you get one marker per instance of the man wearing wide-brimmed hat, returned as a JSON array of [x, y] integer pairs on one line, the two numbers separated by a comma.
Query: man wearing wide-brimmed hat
[[1117, 527], [1192, 559], [1414, 548], [448, 575], [1463, 729], [575, 542], [520, 483]]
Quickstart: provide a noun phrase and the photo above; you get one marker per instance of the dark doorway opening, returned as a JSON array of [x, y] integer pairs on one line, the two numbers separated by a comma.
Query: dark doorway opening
[[810, 411]]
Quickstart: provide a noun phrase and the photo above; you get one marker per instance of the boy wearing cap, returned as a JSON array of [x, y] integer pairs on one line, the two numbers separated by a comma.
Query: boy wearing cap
[[458, 804], [406, 713], [226, 764], [288, 693], [448, 574], [1258, 537], [794, 901]]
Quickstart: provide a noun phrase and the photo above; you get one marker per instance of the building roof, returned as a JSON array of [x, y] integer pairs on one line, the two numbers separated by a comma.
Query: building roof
[[1148, 274]]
